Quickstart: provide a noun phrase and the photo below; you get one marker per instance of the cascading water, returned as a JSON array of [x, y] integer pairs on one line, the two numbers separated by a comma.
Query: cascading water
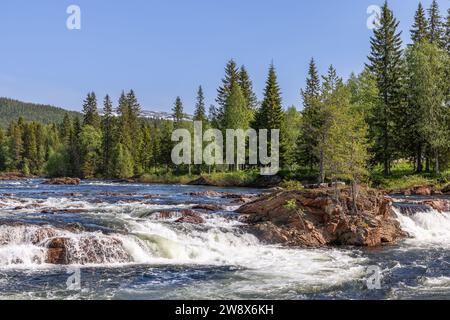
[[426, 226], [128, 243]]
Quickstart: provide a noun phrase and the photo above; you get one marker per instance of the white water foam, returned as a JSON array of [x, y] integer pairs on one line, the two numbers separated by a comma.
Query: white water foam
[[426, 228]]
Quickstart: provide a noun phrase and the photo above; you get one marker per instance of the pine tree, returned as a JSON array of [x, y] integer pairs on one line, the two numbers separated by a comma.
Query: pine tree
[[435, 29], [178, 113], [108, 137], [200, 111], [308, 134], [90, 112], [387, 66], [419, 29], [247, 89]]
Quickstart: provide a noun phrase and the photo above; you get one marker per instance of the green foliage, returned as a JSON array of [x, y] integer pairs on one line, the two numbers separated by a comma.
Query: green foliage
[[123, 162], [292, 185], [419, 31], [57, 164], [291, 205], [90, 112], [12, 110], [386, 64]]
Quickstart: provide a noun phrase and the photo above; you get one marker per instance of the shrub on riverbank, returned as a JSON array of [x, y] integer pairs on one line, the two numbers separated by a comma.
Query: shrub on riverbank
[[224, 179]]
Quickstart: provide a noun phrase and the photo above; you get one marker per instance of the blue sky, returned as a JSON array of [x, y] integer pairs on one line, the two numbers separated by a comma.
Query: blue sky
[[166, 48]]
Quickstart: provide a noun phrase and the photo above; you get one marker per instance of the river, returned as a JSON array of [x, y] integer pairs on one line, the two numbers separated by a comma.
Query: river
[[146, 255]]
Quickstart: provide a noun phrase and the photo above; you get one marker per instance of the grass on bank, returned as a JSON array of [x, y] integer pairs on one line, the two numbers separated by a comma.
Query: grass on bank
[[404, 177], [225, 179]]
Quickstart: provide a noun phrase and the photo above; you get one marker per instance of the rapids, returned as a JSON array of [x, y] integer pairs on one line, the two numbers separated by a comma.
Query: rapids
[[117, 236]]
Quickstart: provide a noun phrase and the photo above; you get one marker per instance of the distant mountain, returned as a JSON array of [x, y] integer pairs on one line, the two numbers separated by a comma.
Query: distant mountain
[[13, 109], [160, 115]]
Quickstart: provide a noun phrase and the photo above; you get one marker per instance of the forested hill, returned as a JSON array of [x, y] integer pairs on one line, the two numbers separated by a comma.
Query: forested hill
[[12, 109]]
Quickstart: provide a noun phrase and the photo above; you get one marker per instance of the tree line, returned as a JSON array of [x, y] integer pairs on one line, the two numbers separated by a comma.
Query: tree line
[[397, 108]]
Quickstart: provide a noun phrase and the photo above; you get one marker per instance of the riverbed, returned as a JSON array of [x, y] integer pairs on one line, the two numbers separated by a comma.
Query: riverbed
[[150, 255]]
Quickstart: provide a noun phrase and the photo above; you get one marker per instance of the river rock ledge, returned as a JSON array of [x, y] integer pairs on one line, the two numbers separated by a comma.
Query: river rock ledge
[[322, 217]]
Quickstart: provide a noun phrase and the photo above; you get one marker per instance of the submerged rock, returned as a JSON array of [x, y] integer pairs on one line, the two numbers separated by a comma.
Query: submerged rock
[[320, 217], [63, 181], [208, 207], [189, 216], [86, 250]]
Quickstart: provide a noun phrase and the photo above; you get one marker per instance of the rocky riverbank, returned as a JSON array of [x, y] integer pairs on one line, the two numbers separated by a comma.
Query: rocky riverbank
[[312, 218]]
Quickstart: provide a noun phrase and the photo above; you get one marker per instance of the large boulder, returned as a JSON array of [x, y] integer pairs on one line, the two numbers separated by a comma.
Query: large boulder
[[86, 250], [63, 181], [323, 217], [202, 181], [267, 181]]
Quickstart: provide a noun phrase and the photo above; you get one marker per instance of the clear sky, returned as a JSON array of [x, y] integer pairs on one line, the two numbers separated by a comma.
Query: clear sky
[[166, 48]]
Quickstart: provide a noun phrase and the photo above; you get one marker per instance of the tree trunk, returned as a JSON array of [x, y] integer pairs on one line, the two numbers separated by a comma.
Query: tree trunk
[[419, 159], [436, 167], [322, 171], [354, 197]]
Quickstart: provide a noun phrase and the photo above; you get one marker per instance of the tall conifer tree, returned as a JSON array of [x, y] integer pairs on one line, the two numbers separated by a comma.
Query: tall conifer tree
[[419, 29], [387, 66]]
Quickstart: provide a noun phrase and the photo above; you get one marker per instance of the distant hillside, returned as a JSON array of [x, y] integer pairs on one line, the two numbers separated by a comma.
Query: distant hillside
[[13, 109]]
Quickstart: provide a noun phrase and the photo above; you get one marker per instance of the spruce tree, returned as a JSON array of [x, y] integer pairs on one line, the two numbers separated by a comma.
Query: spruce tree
[[108, 137], [419, 29], [200, 111], [387, 66], [134, 127], [307, 141], [74, 150], [435, 29], [66, 128], [231, 79], [271, 114], [177, 112], [447, 32], [90, 111], [124, 133], [247, 89]]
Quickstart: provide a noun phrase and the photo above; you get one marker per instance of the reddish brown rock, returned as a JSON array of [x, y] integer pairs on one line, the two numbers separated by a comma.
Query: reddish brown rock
[[318, 218], [440, 205], [423, 191], [86, 250], [63, 181], [189, 216], [202, 181], [208, 207], [446, 189]]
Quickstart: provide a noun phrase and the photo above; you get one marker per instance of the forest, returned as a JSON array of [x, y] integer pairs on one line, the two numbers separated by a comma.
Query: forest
[[394, 114]]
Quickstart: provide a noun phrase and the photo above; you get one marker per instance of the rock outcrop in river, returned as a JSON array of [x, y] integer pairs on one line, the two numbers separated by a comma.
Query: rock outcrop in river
[[313, 218]]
